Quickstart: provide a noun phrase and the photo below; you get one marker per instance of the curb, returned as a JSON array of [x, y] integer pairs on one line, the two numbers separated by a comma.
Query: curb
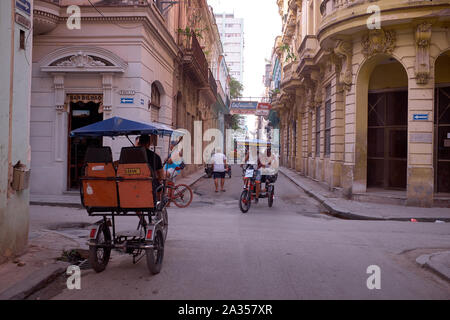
[[425, 261], [347, 215], [34, 282]]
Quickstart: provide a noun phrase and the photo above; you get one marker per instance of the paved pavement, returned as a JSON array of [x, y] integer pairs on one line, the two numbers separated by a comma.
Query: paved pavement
[[294, 250], [356, 210]]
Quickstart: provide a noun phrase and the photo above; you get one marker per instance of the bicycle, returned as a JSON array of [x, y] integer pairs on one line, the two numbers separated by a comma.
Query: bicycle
[[181, 195], [246, 198]]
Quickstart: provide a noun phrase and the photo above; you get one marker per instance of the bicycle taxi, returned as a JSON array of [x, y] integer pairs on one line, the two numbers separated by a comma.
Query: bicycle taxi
[[249, 171], [120, 189]]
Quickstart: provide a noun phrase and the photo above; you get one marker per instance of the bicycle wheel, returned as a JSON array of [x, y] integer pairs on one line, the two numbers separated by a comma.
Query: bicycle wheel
[[182, 196], [155, 256], [270, 196], [245, 201], [99, 254]]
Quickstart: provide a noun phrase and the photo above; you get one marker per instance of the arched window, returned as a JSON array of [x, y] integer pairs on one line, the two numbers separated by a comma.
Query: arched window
[[155, 103]]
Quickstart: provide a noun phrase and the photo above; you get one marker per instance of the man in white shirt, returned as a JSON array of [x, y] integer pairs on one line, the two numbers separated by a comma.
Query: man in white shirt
[[219, 161]]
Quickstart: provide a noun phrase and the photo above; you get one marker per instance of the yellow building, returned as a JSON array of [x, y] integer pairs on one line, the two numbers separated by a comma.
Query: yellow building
[[365, 96]]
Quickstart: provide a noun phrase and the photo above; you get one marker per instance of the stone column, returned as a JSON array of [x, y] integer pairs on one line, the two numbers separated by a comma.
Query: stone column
[[107, 82], [299, 141], [60, 142], [420, 179], [337, 133]]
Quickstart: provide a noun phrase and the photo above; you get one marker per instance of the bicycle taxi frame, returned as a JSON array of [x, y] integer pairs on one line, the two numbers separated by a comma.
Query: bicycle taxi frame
[[249, 177], [113, 191]]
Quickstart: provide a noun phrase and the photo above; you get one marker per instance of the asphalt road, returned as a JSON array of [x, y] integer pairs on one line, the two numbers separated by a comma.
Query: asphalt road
[[290, 251]]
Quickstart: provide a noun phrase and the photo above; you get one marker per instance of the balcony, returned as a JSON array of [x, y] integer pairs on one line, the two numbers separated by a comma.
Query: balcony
[[343, 17], [194, 61], [46, 15], [306, 52], [209, 91], [290, 80]]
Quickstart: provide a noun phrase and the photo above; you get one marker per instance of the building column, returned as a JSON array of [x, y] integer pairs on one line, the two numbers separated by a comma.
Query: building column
[[337, 133], [420, 178], [62, 108], [299, 141]]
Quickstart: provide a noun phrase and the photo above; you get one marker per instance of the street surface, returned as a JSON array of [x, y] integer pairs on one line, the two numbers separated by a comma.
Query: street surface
[[290, 251]]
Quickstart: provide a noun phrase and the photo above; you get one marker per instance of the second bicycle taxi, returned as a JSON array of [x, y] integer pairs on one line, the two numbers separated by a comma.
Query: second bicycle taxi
[[269, 175]]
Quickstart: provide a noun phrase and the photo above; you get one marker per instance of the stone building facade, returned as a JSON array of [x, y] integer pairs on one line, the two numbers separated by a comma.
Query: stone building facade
[[365, 93], [128, 59], [15, 76]]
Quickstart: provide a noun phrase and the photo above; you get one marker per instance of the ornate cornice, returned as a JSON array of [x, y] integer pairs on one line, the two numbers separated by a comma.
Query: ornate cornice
[[344, 51], [378, 41], [423, 39]]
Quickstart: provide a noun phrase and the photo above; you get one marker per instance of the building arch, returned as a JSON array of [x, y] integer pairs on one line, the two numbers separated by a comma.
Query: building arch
[[362, 83], [441, 150], [82, 59]]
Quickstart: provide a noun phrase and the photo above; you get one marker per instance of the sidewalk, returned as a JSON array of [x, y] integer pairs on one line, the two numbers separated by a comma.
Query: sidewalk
[[355, 210], [57, 224]]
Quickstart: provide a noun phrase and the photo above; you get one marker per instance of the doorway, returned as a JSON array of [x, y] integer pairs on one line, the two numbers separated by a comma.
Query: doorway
[[387, 147], [82, 113], [442, 139]]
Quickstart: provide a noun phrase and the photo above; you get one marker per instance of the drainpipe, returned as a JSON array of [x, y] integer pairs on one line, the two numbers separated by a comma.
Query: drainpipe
[[11, 98]]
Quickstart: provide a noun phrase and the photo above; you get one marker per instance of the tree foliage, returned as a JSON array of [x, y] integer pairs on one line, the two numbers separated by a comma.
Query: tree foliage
[[236, 89]]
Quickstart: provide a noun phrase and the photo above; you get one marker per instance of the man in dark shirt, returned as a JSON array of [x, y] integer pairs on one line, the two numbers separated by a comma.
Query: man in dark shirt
[[153, 160]]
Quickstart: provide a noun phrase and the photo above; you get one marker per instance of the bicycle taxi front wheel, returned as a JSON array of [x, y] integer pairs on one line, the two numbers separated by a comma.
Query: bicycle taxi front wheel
[[100, 251], [245, 201]]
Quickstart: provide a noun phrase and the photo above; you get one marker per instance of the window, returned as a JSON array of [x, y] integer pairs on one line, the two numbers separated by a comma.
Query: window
[[328, 121], [318, 131], [155, 103], [22, 39]]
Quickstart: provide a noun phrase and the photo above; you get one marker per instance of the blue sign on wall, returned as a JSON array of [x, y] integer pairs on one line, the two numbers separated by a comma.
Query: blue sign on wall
[[423, 117], [24, 5], [127, 100]]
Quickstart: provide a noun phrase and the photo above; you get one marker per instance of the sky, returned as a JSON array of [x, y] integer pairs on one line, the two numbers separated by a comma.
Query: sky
[[262, 24]]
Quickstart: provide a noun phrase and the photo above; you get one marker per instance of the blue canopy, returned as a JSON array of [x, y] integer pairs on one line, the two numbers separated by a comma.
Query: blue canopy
[[116, 126]]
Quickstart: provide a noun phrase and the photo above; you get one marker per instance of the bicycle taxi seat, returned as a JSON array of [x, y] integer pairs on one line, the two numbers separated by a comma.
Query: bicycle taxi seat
[[98, 186], [134, 180]]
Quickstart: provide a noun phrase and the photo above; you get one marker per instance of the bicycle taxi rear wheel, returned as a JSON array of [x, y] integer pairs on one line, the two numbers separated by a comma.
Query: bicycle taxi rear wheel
[[100, 253], [155, 255]]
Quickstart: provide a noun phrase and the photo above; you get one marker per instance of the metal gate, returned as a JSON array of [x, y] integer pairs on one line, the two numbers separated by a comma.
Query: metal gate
[[387, 147]]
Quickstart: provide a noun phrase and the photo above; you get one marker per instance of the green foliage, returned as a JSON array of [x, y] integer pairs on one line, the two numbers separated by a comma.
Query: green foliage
[[188, 32], [236, 89], [235, 121], [290, 56]]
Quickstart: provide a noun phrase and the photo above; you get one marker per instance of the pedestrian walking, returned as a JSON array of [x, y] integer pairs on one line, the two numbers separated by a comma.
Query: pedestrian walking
[[219, 161]]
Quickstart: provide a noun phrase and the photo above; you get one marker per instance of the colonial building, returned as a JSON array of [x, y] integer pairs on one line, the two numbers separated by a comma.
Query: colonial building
[[136, 59], [364, 97], [15, 76]]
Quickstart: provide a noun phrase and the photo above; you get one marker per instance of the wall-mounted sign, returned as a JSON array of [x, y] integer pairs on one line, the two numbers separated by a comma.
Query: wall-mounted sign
[[127, 100], [23, 21], [447, 143], [142, 101], [127, 92], [420, 117], [24, 5], [244, 104], [263, 109]]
